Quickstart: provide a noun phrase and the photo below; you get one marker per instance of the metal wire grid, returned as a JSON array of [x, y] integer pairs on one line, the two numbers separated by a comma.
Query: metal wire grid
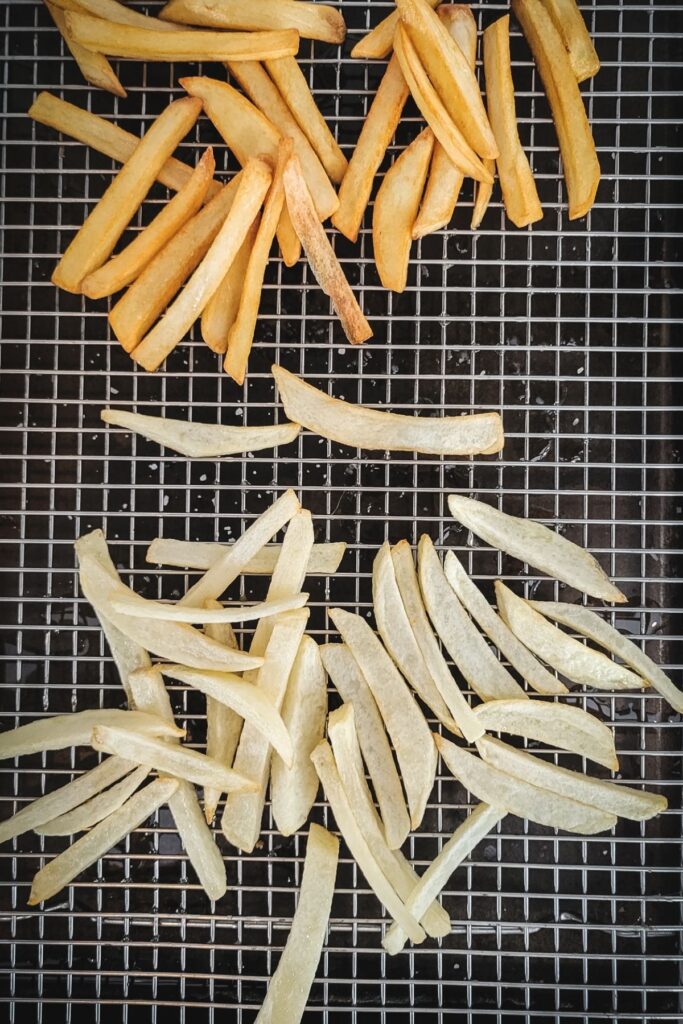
[[567, 329]]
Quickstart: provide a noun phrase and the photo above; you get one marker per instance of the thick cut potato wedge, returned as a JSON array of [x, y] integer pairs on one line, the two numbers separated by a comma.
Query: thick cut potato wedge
[[94, 67], [569, 22], [310, 20], [379, 42], [220, 311]]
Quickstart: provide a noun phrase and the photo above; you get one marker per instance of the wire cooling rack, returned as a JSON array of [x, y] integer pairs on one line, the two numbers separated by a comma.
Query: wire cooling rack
[[572, 330]]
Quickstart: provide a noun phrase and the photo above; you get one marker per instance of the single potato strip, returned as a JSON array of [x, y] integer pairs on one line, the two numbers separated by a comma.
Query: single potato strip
[[520, 657], [294, 89], [223, 725], [518, 796], [610, 797], [95, 241], [461, 638], [111, 10], [360, 427], [75, 729], [220, 311], [94, 844], [579, 158], [101, 806], [311, 20], [291, 983], [179, 317], [131, 261], [479, 823], [379, 42], [133, 605], [409, 590], [94, 67], [557, 725], [482, 197], [404, 721], [326, 268], [377, 132], [350, 682], [566, 655], [583, 620], [517, 184], [538, 546], [325, 766], [293, 787], [188, 554], [395, 210], [569, 22]]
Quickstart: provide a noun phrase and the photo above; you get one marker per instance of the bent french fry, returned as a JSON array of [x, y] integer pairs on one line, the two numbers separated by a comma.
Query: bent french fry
[[75, 730], [360, 427], [569, 22], [579, 158], [379, 42], [133, 604], [223, 725], [111, 10], [289, 987], [94, 67], [538, 546], [220, 311], [376, 134], [105, 224], [187, 307], [517, 184], [395, 210], [188, 554], [583, 620], [101, 806], [123, 268], [326, 268], [94, 844], [311, 20], [466, 646], [566, 655]]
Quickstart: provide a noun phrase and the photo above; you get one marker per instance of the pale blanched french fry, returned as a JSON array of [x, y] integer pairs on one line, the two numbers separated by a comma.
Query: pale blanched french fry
[[123, 268], [404, 721], [577, 147], [290, 985], [517, 184], [111, 10], [293, 787], [311, 20], [395, 210], [360, 427], [326, 268], [223, 725], [221, 309], [132, 604], [117, 40], [566, 655], [450, 72], [466, 646], [538, 546], [350, 682], [379, 42], [94, 67], [188, 554], [94, 844], [95, 241], [99, 807], [569, 22], [182, 313], [148, 296], [293, 87], [482, 197], [519, 656], [74, 730]]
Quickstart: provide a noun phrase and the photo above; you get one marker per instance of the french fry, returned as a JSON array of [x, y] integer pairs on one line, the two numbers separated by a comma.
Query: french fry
[[94, 844], [132, 604], [95, 241], [517, 184], [223, 725], [148, 296], [187, 307], [311, 20], [111, 10], [288, 240], [220, 311], [569, 22], [379, 42], [579, 158], [94, 67], [376, 134], [360, 427], [99, 807], [395, 210], [75, 730], [188, 554], [466, 646], [450, 73], [482, 197], [566, 655], [117, 40], [293, 87], [538, 546], [131, 261]]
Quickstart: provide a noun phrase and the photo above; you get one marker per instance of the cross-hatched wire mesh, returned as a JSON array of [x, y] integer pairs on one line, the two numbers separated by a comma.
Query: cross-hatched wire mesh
[[570, 329]]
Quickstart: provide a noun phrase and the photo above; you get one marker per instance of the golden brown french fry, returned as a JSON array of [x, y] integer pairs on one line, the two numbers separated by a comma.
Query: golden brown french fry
[[94, 67], [293, 87], [395, 210], [111, 10], [324, 264], [220, 311], [288, 240], [179, 317], [95, 241], [517, 184], [376, 134], [569, 22], [458, 150], [579, 158], [379, 42], [311, 20], [482, 196], [116, 40], [131, 261], [241, 334]]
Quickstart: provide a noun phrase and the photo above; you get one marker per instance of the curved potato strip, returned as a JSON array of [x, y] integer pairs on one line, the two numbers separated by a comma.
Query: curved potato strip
[[311, 20], [75, 730], [194, 554], [94, 810], [132, 604]]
